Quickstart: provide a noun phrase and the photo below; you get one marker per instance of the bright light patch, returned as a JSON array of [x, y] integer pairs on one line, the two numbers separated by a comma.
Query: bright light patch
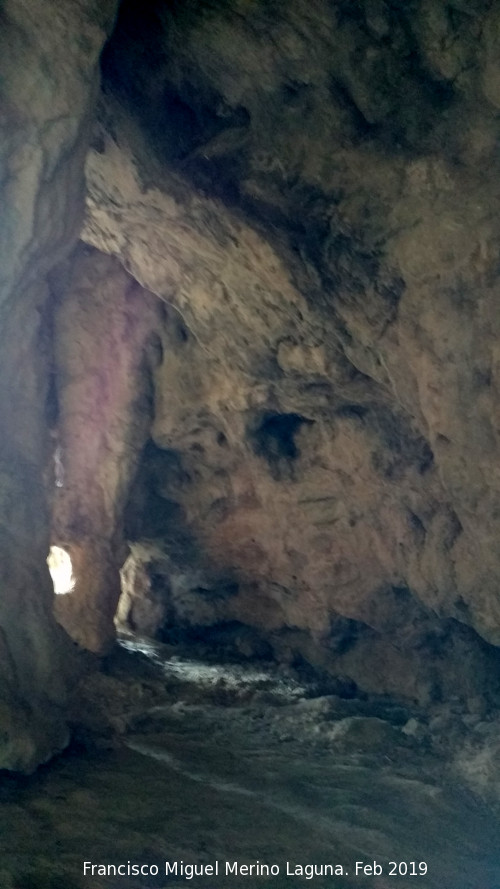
[[61, 570]]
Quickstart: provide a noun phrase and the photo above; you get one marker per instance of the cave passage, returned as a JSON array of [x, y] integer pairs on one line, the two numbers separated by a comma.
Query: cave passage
[[249, 443]]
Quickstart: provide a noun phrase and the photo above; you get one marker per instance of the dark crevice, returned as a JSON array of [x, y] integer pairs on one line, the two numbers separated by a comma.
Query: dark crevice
[[274, 436]]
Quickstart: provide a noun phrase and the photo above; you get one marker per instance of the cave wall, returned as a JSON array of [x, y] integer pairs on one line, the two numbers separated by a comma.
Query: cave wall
[[106, 344], [313, 187], [48, 84], [273, 371]]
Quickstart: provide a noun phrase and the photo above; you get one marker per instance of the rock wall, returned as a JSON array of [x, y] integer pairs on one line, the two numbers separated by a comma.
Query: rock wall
[[106, 345], [313, 187], [48, 82], [273, 372]]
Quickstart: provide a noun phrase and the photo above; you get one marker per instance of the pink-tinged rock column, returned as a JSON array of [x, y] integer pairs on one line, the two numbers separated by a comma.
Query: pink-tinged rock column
[[107, 343]]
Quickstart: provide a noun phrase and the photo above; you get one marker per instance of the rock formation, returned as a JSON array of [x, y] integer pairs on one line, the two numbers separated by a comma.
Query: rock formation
[[276, 361], [48, 82], [312, 187], [105, 343]]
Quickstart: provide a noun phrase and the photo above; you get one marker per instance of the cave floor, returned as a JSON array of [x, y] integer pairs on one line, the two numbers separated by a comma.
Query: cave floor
[[226, 763]]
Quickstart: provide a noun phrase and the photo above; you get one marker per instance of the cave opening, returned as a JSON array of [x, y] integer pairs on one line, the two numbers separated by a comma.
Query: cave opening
[[61, 570]]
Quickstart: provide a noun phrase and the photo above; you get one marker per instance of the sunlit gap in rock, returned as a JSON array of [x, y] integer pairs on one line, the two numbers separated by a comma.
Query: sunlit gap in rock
[[61, 570]]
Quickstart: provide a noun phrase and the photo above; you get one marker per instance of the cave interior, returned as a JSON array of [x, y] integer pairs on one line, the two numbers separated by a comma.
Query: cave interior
[[249, 450]]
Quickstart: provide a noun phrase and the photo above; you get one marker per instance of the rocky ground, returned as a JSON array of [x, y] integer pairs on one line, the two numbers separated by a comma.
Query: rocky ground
[[182, 758]]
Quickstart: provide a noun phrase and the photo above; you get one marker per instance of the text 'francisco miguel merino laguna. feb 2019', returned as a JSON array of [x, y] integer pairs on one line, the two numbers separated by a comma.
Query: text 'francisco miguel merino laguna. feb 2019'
[[257, 869]]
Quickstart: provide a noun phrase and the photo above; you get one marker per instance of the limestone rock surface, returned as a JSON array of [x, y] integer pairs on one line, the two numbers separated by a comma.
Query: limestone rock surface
[[106, 345], [48, 82], [313, 188]]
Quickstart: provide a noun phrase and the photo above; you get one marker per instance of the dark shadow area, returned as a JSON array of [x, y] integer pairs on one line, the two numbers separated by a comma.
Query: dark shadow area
[[273, 439]]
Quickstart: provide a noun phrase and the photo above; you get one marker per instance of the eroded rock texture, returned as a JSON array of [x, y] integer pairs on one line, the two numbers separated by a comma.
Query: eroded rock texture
[[48, 80], [106, 345], [313, 188]]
